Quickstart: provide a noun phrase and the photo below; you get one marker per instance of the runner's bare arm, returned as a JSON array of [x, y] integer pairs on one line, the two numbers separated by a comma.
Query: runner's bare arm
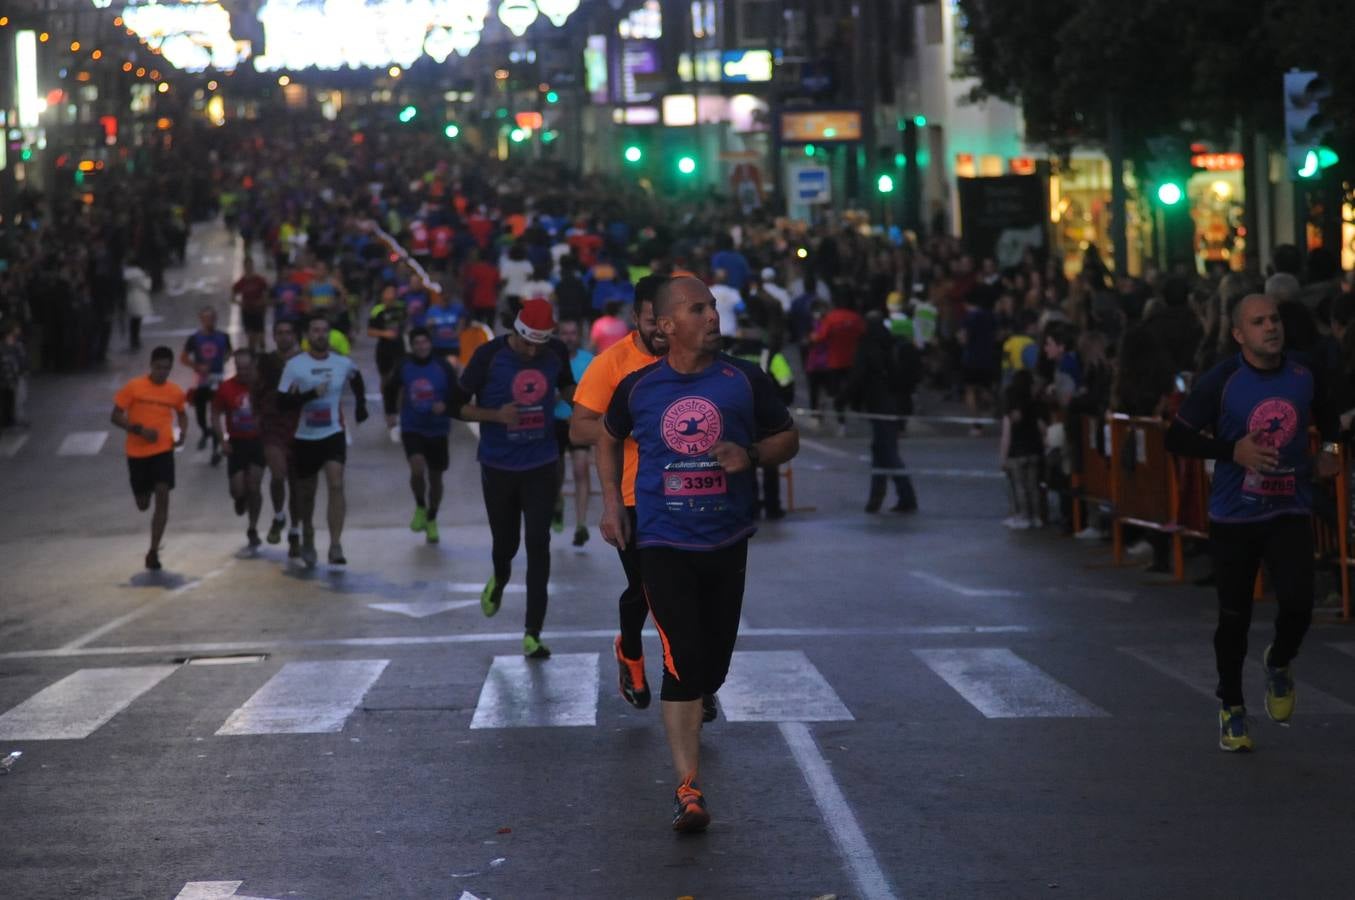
[[584, 426], [615, 525]]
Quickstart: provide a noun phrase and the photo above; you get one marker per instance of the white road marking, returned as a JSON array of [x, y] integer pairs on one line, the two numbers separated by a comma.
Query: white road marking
[[306, 698], [1002, 685], [82, 443], [474, 428], [1193, 665], [143, 610], [837, 813], [779, 686], [820, 447], [957, 473], [11, 444], [213, 890], [492, 638], [79, 703], [422, 609], [528, 693], [961, 589]]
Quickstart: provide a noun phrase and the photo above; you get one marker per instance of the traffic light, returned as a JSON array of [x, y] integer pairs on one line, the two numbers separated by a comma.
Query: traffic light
[[885, 184], [686, 165], [517, 135], [1169, 193], [407, 115], [453, 131], [1305, 125], [552, 97], [633, 154]]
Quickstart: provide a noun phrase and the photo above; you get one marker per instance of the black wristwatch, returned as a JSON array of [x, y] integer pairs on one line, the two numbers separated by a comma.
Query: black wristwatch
[[754, 456]]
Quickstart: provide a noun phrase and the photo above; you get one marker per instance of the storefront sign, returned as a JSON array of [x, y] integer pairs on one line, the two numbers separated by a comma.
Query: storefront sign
[[743, 66], [820, 126], [1002, 217], [1218, 162]]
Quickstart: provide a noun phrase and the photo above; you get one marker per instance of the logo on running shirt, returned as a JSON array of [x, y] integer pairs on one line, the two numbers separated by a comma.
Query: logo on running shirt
[[529, 387], [207, 349], [421, 392], [1276, 419], [691, 425]]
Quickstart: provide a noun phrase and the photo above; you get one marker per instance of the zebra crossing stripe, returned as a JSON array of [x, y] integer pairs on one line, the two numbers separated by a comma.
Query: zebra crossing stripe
[[82, 443], [11, 444], [779, 686], [1002, 685], [306, 698], [524, 693], [79, 703], [1193, 665]]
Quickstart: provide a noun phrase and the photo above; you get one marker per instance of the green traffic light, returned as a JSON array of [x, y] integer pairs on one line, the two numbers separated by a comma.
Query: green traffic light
[[900, 160], [407, 114], [1311, 165], [549, 136], [810, 150], [686, 165], [1327, 157], [452, 130], [1169, 193], [552, 97], [885, 184], [633, 154], [517, 135], [920, 121]]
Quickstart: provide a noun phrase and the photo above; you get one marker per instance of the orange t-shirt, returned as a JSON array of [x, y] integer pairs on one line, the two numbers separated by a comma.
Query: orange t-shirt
[[150, 405], [594, 393], [472, 337]]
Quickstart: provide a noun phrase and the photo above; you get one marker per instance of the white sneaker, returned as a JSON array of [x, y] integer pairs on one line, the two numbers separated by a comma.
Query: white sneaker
[[1016, 523], [395, 434], [1140, 548], [1090, 533]]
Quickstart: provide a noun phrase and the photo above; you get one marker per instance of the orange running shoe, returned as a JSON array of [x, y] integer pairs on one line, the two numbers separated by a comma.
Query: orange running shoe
[[689, 807], [634, 687]]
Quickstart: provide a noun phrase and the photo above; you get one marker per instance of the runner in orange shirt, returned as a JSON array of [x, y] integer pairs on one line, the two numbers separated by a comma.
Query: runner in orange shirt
[[591, 399], [145, 409]]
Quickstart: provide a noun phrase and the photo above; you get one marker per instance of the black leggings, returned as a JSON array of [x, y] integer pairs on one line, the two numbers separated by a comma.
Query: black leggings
[[633, 608], [1285, 543], [695, 597], [518, 502], [202, 398], [390, 388]]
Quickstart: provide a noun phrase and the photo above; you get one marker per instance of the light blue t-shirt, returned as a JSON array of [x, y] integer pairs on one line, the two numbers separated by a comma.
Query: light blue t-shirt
[[320, 417], [577, 364]]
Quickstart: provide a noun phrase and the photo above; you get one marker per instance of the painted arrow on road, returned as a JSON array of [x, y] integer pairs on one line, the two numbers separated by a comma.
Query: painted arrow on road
[[213, 890], [422, 609]]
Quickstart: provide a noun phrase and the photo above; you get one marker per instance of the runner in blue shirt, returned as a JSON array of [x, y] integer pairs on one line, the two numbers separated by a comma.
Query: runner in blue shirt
[[429, 396], [703, 423], [205, 352], [519, 376], [1257, 407], [444, 321]]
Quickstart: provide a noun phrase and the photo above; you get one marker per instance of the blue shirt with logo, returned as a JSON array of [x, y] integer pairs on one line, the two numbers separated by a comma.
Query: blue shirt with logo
[[209, 349], [426, 383], [1235, 399], [683, 498], [444, 326], [496, 376]]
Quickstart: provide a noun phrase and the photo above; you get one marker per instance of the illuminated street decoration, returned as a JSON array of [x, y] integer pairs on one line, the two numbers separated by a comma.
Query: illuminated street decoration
[[517, 15], [335, 34], [190, 36], [558, 11]]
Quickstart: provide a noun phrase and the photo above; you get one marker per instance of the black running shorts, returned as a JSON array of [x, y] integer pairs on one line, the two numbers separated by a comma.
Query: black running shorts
[[245, 452], [311, 456], [432, 448], [148, 471], [695, 597]]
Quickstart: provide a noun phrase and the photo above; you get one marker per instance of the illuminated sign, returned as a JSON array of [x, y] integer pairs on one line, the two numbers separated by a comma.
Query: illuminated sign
[[1218, 162], [746, 65], [821, 126], [595, 68], [30, 102], [191, 36], [530, 120], [639, 75], [636, 115], [679, 110], [643, 23]]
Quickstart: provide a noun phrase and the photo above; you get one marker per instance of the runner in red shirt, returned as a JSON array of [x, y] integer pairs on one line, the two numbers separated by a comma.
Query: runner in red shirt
[[839, 332], [250, 292], [234, 417], [480, 286]]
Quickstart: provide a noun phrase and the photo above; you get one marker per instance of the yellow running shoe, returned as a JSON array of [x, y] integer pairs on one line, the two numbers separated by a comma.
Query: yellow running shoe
[[420, 520], [1279, 691], [1233, 735]]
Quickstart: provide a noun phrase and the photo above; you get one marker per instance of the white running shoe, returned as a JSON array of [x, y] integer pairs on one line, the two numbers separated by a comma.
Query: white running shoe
[[1139, 548], [1090, 533], [1017, 523]]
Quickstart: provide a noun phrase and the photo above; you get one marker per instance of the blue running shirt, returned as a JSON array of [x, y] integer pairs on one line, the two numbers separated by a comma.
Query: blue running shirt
[[683, 498], [496, 376], [320, 417], [444, 326], [425, 383], [1232, 400]]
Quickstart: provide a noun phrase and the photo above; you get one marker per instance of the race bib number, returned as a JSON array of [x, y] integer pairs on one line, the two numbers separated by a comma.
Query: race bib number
[[318, 417], [531, 424], [695, 485], [1279, 484]]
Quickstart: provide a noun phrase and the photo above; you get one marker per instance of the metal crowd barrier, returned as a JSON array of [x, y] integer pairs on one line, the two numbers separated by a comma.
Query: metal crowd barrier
[[1144, 486]]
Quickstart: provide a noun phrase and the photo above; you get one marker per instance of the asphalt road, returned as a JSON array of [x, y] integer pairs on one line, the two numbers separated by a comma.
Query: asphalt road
[[923, 706]]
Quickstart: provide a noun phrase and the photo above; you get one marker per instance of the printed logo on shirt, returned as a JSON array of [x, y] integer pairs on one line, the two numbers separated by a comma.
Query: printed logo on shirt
[[691, 425], [421, 392], [207, 350], [1276, 419], [529, 387]]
